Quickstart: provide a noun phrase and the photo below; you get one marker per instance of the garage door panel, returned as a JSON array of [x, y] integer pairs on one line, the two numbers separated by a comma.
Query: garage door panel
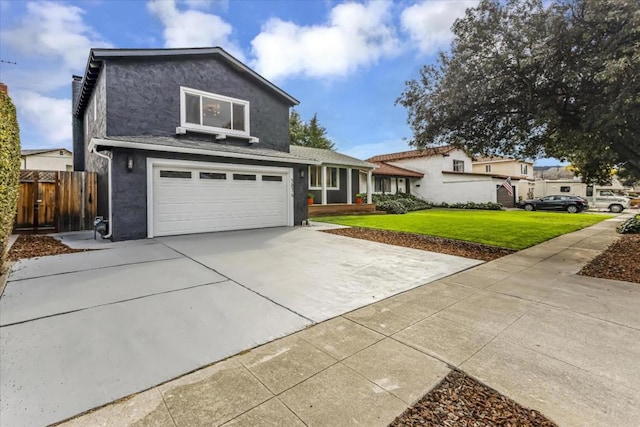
[[215, 199]]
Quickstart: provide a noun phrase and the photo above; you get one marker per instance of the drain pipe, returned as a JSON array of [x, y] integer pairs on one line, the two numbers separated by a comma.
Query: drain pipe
[[94, 151]]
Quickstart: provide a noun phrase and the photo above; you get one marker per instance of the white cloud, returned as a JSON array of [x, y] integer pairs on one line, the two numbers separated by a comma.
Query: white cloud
[[49, 118], [355, 35], [55, 31], [365, 151], [429, 22], [193, 28]]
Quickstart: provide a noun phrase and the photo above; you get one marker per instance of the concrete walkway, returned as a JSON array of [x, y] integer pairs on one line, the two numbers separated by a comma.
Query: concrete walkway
[[525, 324]]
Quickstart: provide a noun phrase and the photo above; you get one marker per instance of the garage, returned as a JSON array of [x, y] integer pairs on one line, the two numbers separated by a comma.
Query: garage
[[198, 197]]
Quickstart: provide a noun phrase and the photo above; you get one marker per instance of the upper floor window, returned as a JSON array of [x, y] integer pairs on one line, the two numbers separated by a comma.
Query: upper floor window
[[458, 165], [524, 169], [565, 189], [487, 168], [208, 112]]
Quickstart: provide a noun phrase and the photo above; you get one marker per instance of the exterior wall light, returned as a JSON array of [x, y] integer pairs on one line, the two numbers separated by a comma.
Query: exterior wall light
[[130, 163]]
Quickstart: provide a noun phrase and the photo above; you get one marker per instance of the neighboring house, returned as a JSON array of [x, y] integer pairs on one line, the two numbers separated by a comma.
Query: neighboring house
[[512, 167], [47, 159], [390, 179], [446, 177], [337, 178], [186, 141]]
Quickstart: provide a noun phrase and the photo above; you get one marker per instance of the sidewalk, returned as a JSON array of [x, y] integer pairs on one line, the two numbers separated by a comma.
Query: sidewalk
[[525, 324]]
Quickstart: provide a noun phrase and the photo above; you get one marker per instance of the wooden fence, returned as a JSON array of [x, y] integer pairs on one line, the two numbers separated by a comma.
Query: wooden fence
[[56, 201]]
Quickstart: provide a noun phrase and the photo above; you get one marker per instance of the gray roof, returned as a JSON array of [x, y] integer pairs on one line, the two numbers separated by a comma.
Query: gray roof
[[97, 56], [173, 144], [35, 151], [330, 157]]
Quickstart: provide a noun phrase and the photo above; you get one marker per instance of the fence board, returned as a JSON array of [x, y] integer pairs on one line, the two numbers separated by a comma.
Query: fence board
[[65, 201]]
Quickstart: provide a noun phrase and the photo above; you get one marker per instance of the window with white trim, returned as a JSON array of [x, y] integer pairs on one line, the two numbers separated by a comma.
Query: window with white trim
[[524, 169], [458, 165], [381, 184], [207, 112], [315, 178], [487, 168]]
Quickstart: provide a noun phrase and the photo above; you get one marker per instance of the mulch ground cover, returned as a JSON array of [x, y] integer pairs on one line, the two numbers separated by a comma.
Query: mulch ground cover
[[461, 401], [620, 261], [426, 243], [33, 245]]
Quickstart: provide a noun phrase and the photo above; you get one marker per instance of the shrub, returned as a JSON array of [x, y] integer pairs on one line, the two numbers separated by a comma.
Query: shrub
[[399, 203], [630, 226], [9, 167], [490, 206]]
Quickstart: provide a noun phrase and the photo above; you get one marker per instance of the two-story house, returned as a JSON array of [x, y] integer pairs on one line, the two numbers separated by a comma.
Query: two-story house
[[186, 141], [522, 169], [440, 174]]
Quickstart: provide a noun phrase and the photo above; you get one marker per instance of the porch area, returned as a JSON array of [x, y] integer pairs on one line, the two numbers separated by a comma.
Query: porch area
[[341, 209]]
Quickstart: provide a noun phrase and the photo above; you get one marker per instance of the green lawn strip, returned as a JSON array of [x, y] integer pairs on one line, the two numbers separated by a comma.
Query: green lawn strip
[[507, 229]]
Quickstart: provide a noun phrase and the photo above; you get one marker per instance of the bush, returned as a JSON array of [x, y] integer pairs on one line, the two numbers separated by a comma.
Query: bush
[[399, 203], [630, 226], [9, 168], [489, 206]]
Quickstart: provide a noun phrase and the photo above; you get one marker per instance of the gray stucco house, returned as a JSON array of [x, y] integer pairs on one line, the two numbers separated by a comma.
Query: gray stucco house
[[186, 141]]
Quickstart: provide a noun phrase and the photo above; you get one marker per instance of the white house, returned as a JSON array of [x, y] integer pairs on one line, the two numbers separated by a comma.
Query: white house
[[447, 176], [47, 159], [511, 167]]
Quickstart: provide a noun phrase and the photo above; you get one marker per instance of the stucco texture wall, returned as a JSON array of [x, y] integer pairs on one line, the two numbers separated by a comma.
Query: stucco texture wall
[[144, 97], [130, 189]]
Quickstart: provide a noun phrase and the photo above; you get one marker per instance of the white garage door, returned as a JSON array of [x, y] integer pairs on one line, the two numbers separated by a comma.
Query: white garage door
[[196, 198]]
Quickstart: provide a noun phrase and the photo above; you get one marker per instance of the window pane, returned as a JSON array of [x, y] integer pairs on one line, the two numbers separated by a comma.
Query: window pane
[[216, 113], [238, 117], [175, 174], [193, 109], [243, 177], [275, 178], [332, 177], [314, 176], [213, 175]]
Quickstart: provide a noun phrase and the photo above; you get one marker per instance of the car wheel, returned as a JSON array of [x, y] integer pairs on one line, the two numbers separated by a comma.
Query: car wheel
[[616, 208], [572, 209], [528, 207]]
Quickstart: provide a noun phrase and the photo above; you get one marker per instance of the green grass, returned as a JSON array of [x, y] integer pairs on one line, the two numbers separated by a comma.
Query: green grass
[[507, 229]]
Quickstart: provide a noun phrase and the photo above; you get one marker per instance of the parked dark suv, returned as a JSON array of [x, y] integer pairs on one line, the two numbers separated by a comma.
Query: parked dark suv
[[571, 204]]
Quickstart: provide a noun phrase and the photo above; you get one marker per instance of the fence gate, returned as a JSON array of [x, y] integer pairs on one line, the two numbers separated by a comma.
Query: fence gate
[[56, 201], [506, 199]]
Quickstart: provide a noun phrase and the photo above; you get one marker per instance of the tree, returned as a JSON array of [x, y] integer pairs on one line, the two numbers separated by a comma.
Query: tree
[[310, 134], [527, 80], [9, 167]]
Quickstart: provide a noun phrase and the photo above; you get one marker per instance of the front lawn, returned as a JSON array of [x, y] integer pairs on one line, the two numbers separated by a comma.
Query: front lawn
[[507, 229]]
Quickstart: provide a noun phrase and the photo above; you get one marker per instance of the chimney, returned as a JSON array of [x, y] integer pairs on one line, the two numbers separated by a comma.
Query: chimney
[[77, 124], [4, 88]]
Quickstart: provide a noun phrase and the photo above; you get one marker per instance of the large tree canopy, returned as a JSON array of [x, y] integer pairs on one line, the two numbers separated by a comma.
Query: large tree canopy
[[530, 80], [310, 134]]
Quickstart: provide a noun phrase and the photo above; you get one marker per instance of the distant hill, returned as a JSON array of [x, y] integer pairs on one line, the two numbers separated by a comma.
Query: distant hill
[[553, 172]]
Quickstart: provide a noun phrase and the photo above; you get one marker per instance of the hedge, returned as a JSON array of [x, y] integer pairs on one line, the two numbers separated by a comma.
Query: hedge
[[9, 168], [490, 206], [399, 203], [630, 226]]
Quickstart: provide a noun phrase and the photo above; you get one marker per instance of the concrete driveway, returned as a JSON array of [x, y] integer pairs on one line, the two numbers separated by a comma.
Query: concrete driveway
[[78, 331]]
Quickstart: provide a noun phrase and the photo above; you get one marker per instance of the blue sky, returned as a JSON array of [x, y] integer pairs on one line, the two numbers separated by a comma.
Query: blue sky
[[345, 61]]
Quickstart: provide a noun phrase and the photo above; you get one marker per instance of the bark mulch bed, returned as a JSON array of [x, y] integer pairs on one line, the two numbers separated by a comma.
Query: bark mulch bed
[[33, 245], [620, 261], [461, 401], [426, 243]]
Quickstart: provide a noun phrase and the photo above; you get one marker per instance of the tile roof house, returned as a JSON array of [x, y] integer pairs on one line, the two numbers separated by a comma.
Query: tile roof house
[[186, 141], [440, 174]]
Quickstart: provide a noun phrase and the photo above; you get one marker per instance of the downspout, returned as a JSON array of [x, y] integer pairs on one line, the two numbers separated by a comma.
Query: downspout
[[94, 151]]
